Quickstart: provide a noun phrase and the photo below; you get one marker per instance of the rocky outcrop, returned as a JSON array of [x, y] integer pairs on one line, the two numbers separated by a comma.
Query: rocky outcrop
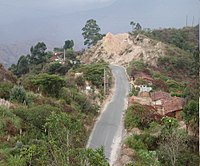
[[123, 48], [6, 103]]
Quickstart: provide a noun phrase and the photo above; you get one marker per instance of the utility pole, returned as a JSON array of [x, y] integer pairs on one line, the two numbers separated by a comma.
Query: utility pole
[[193, 21], [186, 20], [64, 55], [104, 80], [199, 75]]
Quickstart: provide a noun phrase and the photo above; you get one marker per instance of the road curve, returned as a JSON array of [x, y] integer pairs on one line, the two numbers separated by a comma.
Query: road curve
[[109, 124]]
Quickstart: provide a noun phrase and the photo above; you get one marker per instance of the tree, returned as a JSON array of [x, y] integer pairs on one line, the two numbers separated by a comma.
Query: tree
[[18, 94], [132, 24], [22, 65], [172, 146], [50, 84], [138, 27], [38, 54], [69, 44], [54, 68], [135, 26], [91, 33], [191, 115]]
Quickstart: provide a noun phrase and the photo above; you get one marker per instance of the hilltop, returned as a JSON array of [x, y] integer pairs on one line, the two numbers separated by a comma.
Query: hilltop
[[123, 48]]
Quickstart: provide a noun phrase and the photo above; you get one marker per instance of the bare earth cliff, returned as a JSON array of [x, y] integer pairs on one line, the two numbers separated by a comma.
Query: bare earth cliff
[[123, 48]]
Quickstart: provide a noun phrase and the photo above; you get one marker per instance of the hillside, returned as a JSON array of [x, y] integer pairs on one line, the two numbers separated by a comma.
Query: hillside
[[6, 76], [186, 38], [10, 53], [123, 48], [49, 108]]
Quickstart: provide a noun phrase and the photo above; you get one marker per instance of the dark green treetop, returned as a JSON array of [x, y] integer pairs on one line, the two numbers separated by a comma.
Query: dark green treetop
[[91, 33]]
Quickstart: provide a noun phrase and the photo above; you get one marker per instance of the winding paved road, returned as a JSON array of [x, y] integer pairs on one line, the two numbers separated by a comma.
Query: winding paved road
[[109, 126]]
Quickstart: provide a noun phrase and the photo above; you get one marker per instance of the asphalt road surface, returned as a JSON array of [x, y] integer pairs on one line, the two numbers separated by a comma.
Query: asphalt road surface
[[110, 121]]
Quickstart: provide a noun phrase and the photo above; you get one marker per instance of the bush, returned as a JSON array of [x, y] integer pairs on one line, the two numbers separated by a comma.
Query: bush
[[139, 116], [148, 158], [138, 65], [94, 73], [140, 81], [18, 94], [54, 67], [37, 115], [9, 122], [5, 90], [50, 84], [77, 99], [134, 91], [135, 143], [174, 86], [149, 141]]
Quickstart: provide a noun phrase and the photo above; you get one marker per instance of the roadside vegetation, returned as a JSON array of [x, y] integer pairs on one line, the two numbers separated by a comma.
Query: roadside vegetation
[[161, 140], [51, 113]]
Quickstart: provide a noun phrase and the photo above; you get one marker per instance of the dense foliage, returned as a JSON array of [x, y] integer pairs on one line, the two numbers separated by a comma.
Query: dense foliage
[[91, 33], [51, 115]]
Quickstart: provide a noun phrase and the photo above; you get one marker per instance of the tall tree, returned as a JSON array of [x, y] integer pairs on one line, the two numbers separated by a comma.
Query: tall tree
[[69, 44], [22, 65], [138, 27], [135, 26], [91, 33], [132, 23], [38, 53]]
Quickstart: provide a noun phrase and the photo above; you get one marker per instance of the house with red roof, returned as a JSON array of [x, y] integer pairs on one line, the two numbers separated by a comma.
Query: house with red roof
[[167, 105]]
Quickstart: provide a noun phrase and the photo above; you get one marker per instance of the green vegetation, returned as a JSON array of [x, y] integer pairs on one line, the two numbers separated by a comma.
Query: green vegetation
[[135, 26], [185, 38], [18, 94], [5, 89], [91, 33], [94, 73], [52, 116], [138, 116], [164, 143]]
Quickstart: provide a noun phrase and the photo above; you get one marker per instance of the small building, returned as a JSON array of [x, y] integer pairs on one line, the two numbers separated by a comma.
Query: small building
[[173, 107], [167, 105], [144, 91], [158, 96]]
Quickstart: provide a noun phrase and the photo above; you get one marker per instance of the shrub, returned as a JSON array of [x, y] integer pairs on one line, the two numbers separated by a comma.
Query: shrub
[[94, 73], [135, 143], [174, 86], [77, 99], [149, 141], [18, 94], [54, 67], [5, 90], [134, 91], [140, 81], [148, 158], [50, 84], [9, 122], [139, 116], [138, 65], [37, 115], [16, 160]]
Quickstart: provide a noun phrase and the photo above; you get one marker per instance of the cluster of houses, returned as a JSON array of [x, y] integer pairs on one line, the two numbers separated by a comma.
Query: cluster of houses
[[163, 102]]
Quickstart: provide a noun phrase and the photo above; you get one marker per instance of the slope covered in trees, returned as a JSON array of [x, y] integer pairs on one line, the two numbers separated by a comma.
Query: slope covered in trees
[[52, 113]]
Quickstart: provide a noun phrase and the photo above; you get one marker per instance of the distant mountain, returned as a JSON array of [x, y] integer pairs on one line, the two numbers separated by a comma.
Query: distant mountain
[[10, 53], [57, 26]]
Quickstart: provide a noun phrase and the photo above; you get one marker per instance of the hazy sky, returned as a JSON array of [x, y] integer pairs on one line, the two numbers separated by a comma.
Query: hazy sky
[[61, 19]]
